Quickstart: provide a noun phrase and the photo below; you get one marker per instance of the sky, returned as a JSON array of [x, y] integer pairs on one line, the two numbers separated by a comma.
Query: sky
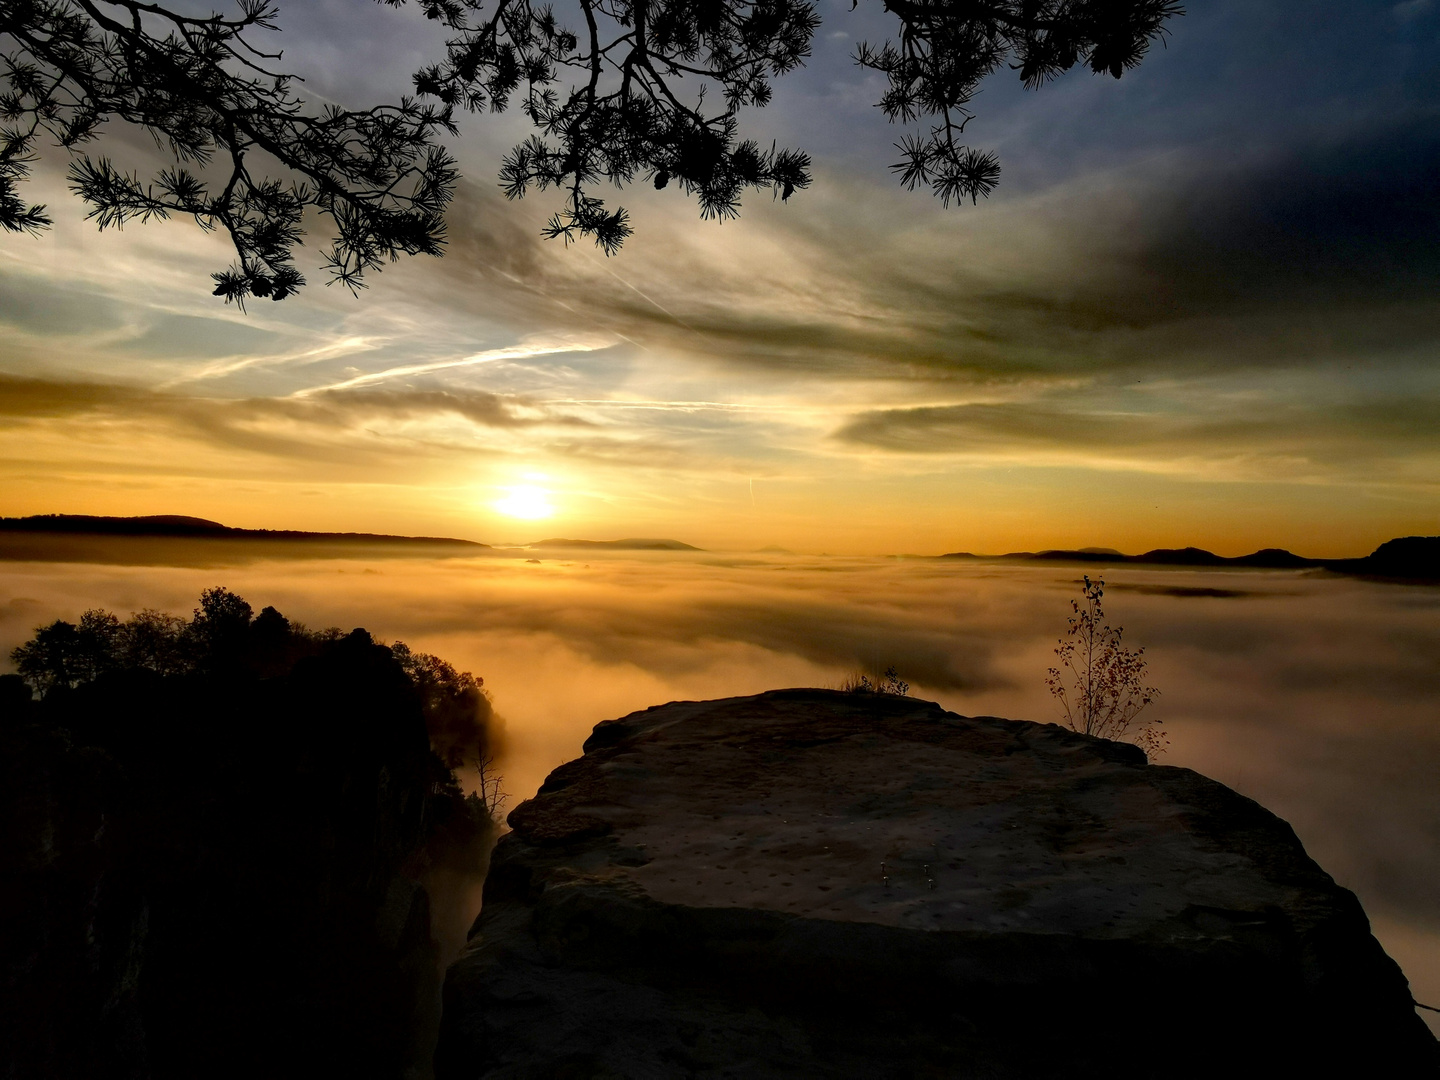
[[1201, 308]]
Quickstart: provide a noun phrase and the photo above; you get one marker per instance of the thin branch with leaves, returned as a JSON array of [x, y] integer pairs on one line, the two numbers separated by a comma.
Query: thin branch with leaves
[[644, 89], [207, 96], [627, 114], [947, 47]]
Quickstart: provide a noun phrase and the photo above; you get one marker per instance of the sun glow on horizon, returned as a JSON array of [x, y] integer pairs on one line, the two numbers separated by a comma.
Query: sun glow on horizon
[[526, 502]]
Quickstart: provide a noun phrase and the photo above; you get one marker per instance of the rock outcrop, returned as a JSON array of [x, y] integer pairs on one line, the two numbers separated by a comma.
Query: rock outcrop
[[811, 883]]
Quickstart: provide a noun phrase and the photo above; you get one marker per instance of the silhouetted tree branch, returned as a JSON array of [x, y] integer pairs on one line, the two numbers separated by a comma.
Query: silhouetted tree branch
[[627, 113], [945, 48], [206, 94], [646, 89], [631, 110]]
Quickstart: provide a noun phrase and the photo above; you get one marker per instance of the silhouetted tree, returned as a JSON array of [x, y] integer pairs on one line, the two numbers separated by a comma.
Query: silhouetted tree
[[243, 777], [63, 654], [224, 637], [155, 641], [455, 703], [492, 799], [51, 658], [220, 626], [647, 90], [1099, 682]]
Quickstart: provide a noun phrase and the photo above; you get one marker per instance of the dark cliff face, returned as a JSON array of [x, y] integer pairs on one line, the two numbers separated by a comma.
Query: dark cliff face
[[220, 874], [810, 883]]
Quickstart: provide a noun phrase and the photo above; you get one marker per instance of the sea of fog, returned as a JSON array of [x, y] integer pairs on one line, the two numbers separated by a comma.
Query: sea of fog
[[1318, 696]]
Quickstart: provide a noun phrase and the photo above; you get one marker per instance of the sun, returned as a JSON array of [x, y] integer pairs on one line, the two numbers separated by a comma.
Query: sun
[[530, 503]]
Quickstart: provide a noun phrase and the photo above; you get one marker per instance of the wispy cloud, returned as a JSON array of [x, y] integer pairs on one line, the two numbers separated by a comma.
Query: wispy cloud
[[527, 351], [330, 350]]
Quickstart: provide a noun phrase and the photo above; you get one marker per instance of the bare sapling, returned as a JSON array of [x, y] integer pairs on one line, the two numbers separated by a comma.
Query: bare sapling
[[488, 788], [1099, 682]]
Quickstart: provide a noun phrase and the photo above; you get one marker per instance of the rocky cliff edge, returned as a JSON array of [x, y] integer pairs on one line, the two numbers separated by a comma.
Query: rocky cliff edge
[[810, 883]]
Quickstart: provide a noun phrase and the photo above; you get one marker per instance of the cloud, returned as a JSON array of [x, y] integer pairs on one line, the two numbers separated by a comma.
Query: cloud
[[1318, 250], [344, 407], [331, 425], [1350, 220], [21, 397], [36, 305], [1209, 592], [35, 398], [1313, 695], [202, 337], [524, 351], [1219, 427], [1201, 254]]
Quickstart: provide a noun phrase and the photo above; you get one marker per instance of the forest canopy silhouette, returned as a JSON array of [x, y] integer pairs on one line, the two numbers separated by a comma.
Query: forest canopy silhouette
[[225, 638], [634, 91], [234, 846]]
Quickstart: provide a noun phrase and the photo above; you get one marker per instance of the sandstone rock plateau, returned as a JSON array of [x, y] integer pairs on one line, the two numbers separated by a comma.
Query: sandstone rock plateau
[[810, 883]]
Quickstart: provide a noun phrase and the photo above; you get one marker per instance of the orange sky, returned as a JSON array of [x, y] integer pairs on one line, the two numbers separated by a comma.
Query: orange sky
[[1184, 318], [718, 387]]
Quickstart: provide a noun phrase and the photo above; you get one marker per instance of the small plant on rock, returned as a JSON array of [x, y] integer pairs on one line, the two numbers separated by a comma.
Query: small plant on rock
[[887, 683], [1101, 683]]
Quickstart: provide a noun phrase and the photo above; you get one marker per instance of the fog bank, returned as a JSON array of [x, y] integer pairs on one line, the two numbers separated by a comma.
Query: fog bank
[[1315, 695]]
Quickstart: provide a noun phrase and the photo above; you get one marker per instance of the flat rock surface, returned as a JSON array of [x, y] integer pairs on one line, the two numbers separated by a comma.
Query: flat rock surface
[[816, 883]]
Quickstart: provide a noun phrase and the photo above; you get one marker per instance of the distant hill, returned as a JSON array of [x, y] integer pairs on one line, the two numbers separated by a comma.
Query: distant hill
[[1408, 558], [633, 543], [176, 540], [178, 526], [153, 525], [162, 538]]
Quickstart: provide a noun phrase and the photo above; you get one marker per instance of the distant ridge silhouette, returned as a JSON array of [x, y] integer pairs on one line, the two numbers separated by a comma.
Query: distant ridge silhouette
[[1405, 558], [634, 543], [180, 526]]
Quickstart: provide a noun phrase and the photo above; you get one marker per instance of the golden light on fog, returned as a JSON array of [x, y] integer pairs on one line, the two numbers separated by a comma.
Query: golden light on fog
[[529, 503]]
